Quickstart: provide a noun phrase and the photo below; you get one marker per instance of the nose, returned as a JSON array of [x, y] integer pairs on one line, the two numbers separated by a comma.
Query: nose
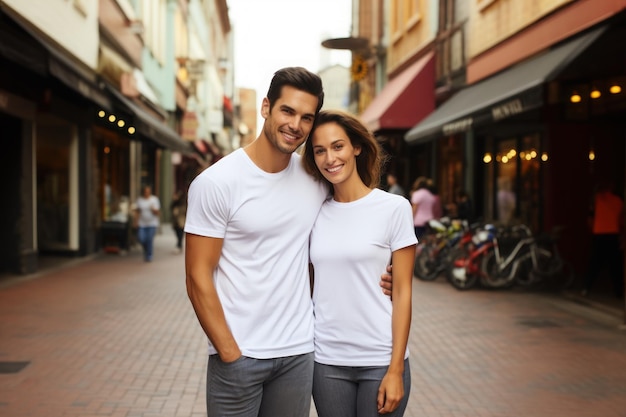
[[294, 123], [330, 157]]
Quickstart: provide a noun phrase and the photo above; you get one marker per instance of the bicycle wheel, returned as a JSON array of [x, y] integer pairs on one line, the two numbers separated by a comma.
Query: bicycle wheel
[[492, 276], [458, 277], [523, 275], [427, 263], [547, 263]]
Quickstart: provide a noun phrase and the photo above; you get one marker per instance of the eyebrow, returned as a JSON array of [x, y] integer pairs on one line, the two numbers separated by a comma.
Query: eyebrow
[[331, 143], [287, 107]]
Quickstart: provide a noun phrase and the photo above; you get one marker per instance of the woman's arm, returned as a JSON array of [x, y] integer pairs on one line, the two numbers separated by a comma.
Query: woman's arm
[[391, 389]]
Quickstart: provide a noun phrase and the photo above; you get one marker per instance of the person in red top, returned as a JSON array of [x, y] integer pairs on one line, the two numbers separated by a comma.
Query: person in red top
[[607, 226]]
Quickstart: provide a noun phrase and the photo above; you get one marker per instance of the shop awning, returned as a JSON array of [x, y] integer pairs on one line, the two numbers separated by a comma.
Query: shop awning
[[73, 74], [150, 127], [513, 91], [404, 100]]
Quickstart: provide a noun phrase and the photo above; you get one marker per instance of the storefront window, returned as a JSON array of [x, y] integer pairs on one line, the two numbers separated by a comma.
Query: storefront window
[[530, 157], [111, 154], [450, 174], [506, 197], [512, 176], [56, 185]]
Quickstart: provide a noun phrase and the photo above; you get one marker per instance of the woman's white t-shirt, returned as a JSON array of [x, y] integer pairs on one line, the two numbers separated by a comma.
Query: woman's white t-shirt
[[351, 246]]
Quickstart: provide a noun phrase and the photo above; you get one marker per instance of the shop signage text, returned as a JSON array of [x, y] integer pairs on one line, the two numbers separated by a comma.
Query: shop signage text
[[458, 126], [507, 109]]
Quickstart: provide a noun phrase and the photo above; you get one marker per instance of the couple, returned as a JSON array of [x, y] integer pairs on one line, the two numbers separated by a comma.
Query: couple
[[251, 220]]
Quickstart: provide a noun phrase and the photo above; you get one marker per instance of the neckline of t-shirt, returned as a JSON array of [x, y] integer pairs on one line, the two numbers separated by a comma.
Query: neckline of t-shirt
[[257, 169], [355, 202]]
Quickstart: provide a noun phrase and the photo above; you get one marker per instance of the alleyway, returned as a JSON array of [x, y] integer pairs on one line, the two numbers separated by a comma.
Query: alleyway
[[114, 336]]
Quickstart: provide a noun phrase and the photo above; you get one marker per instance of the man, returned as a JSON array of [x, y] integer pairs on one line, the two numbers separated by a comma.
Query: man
[[248, 222], [147, 212], [607, 227]]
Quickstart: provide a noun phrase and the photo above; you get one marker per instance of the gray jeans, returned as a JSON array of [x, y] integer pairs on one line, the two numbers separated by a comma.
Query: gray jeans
[[347, 391], [251, 387]]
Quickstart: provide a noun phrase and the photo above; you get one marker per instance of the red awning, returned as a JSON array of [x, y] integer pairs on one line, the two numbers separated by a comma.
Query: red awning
[[405, 100]]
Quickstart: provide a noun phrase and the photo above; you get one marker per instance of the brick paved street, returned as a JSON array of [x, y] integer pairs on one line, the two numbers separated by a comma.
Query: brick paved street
[[114, 336]]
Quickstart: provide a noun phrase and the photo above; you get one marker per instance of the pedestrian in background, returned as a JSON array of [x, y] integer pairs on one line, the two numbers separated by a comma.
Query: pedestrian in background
[[361, 356], [178, 209], [394, 187], [464, 208], [606, 216], [426, 206], [147, 212], [249, 217]]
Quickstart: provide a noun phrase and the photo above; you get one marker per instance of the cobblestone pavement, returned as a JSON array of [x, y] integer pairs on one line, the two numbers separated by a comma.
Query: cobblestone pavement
[[114, 336]]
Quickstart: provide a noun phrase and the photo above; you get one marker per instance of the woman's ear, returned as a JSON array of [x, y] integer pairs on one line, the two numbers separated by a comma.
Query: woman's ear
[[357, 150]]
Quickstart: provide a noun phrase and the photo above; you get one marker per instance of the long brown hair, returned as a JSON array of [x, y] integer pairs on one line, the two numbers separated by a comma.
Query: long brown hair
[[369, 162]]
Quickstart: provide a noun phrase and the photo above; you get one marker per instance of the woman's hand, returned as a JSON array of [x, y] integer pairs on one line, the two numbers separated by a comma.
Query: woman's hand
[[390, 393]]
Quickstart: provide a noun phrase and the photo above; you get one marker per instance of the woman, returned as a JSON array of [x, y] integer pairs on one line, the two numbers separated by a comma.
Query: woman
[[361, 357], [425, 204]]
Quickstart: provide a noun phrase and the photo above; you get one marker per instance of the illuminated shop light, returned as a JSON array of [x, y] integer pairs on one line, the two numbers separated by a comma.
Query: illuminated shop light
[[592, 155]]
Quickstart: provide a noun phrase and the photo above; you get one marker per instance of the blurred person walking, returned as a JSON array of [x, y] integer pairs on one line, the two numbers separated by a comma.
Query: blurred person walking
[[178, 210], [426, 205], [147, 212], [394, 187], [606, 218]]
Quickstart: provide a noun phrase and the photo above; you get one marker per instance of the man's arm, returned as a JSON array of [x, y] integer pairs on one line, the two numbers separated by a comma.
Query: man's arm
[[201, 257], [386, 282]]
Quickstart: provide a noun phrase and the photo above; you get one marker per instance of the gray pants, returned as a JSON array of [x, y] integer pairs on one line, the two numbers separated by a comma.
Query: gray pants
[[346, 391], [252, 387]]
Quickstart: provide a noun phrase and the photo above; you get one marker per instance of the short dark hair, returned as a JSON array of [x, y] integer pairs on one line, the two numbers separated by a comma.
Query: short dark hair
[[369, 162], [299, 78]]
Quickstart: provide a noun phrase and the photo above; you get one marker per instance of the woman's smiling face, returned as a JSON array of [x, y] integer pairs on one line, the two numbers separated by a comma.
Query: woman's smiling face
[[334, 154]]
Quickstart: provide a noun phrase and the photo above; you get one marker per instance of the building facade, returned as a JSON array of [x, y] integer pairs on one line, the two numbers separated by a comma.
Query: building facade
[[91, 109], [540, 116]]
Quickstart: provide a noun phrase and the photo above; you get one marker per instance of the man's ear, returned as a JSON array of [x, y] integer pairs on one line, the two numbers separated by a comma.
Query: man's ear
[[265, 108]]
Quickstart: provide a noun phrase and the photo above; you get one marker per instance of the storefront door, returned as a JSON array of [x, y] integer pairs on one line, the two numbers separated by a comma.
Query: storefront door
[[57, 185]]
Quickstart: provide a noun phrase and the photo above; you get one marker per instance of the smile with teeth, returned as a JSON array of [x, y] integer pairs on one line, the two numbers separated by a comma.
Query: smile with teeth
[[290, 136], [334, 169]]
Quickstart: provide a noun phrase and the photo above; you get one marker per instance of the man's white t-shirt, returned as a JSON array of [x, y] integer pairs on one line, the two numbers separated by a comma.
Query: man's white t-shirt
[[262, 277], [351, 246]]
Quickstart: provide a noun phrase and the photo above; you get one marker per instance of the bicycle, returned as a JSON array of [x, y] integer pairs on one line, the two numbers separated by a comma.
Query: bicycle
[[532, 260], [465, 272], [433, 251], [550, 270], [468, 241]]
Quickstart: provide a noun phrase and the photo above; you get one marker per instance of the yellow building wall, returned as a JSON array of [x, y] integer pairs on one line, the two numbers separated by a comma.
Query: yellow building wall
[[492, 21], [411, 28]]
